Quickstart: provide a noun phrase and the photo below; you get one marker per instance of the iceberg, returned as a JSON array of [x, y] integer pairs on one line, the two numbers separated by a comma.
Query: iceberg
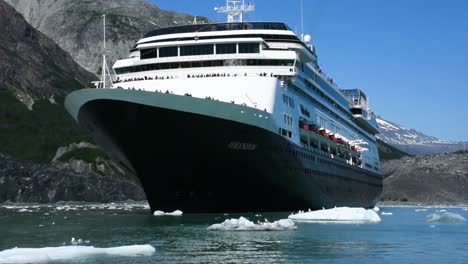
[[345, 215], [44, 255], [161, 213], [244, 224], [445, 217]]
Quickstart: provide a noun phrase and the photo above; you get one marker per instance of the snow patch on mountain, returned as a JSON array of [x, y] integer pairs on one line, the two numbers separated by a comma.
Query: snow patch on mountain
[[413, 141], [396, 134]]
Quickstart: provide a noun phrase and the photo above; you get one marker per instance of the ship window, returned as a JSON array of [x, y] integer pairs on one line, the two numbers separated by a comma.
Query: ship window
[[249, 48], [196, 50], [288, 101], [196, 64], [168, 52], [148, 53], [226, 48], [288, 120]]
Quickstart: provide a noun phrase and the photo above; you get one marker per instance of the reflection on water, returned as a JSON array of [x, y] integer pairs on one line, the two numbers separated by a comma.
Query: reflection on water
[[402, 237]]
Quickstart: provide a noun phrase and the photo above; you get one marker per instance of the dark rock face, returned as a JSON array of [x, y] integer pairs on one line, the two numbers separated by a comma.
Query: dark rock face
[[26, 182], [31, 65], [77, 26], [441, 178]]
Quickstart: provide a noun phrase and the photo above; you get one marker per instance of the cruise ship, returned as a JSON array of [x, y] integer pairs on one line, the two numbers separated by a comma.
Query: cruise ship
[[233, 117]]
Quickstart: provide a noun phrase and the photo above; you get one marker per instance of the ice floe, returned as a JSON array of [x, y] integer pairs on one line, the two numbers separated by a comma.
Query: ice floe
[[73, 206], [244, 224], [338, 215], [44, 255], [421, 210], [445, 217], [386, 213], [161, 213]]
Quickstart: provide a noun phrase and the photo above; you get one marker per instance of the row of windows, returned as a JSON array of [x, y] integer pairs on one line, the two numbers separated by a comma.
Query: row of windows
[[304, 111], [305, 155], [288, 120], [325, 85], [336, 164], [325, 108], [217, 27], [207, 63], [288, 101], [335, 128], [267, 37], [285, 132], [194, 50], [326, 97]]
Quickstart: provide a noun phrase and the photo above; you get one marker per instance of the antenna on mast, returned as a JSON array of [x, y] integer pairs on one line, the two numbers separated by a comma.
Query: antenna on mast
[[105, 73], [235, 10], [302, 22]]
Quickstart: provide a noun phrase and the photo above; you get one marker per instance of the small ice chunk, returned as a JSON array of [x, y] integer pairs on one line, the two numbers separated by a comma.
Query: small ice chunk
[[376, 209], [445, 217], [64, 253], [386, 213], [421, 210], [174, 213], [338, 215], [243, 224]]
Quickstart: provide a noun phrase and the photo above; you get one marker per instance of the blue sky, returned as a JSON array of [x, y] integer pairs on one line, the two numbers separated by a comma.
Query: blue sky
[[410, 57]]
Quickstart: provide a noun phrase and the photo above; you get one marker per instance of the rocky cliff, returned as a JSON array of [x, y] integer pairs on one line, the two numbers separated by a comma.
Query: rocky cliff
[[35, 74], [441, 178], [31, 65], [23, 181], [76, 25]]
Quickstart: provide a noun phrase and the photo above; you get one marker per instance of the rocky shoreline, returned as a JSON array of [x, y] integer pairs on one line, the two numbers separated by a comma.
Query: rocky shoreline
[[431, 179], [435, 180], [29, 182]]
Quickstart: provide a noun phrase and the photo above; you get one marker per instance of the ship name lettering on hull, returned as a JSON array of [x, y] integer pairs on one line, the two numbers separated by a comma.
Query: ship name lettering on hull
[[242, 146]]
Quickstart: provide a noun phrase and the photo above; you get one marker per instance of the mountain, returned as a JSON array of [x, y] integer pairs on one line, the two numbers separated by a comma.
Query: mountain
[[76, 25], [31, 65], [440, 178], [413, 141], [35, 75]]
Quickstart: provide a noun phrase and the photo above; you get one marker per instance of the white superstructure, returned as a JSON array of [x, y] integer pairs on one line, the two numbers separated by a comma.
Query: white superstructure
[[260, 65]]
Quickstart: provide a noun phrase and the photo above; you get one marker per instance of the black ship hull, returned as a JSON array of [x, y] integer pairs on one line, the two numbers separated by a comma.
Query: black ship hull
[[195, 162]]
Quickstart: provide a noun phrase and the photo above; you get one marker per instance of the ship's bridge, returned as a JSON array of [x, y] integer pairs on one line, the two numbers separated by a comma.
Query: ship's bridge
[[217, 27], [359, 107], [278, 36]]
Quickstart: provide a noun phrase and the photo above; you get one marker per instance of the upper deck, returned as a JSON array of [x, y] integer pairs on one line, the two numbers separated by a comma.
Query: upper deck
[[217, 27]]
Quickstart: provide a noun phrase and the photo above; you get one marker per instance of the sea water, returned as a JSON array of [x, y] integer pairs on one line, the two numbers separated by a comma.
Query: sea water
[[404, 235]]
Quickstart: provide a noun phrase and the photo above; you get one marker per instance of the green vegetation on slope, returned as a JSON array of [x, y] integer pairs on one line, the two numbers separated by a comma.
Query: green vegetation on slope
[[388, 152], [36, 135]]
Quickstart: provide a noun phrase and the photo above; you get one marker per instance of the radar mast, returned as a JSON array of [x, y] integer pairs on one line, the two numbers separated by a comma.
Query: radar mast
[[105, 72], [235, 10]]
